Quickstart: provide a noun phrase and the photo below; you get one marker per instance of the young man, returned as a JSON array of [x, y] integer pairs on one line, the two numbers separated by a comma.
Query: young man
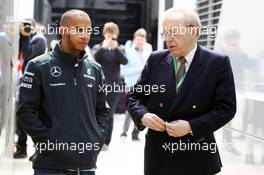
[[61, 105], [110, 55]]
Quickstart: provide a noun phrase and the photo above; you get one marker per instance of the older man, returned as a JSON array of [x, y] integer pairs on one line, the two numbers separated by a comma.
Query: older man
[[194, 95]]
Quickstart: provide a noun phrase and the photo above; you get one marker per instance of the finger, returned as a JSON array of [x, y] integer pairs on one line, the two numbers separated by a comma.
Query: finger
[[158, 119], [151, 126], [173, 122], [157, 124], [149, 123], [154, 127], [169, 125], [170, 132]]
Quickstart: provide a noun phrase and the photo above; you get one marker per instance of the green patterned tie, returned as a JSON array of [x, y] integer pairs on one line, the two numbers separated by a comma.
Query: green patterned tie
[[182, 70]]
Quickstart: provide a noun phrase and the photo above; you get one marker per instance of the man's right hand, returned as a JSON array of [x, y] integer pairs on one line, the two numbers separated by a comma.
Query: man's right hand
[[22, 30], [106, 43], [152, 121]]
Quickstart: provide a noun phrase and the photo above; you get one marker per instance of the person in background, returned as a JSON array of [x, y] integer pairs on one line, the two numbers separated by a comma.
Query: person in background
[[138, 52], [110, 54], [53, 44], [32, 43]]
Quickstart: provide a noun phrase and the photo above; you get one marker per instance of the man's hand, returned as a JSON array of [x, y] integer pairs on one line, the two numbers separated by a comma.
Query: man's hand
[[178, 128], [113, 44], [153, 122], [106, 43], [22, 30]]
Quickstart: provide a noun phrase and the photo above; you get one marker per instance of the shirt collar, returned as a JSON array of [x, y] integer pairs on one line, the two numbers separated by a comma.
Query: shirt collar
[[68, 58], [190, 55]]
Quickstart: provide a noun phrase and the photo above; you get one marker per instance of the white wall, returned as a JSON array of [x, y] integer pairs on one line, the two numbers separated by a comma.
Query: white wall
[[240, 36], [24, 9]]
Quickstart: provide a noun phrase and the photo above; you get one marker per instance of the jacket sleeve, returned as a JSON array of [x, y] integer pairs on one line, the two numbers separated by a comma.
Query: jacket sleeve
[[98, 51], [29, 103], [224, 105], [137, 99], [102, 108], [121, 55], [35, 48]]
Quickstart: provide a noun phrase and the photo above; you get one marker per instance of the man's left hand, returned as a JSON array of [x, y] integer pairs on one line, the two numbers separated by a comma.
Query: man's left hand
[[114, 44], [178, 128]]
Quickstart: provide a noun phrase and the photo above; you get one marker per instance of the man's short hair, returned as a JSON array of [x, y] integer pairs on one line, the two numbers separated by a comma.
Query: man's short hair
[[190, 17], [140, 32], [110, 27], [68, 14]]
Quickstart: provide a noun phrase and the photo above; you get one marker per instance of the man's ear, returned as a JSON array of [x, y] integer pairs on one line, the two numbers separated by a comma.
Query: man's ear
[[197, 32]]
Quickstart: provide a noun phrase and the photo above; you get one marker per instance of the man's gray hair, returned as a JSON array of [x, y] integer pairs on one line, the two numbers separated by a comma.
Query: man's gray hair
[[190, 17]]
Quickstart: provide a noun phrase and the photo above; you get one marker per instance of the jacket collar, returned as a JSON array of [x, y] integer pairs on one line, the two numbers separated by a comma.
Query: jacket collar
[[197, 66], [189, 57], [66, 57]]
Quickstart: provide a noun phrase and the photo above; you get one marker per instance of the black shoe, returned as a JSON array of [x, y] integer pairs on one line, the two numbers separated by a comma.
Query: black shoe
[[135, 138], [21, 152], [33, 157], [105, 147], [123, 134]]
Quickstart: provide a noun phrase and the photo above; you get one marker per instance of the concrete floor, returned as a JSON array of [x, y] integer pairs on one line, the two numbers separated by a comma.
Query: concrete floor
[[125, 157]]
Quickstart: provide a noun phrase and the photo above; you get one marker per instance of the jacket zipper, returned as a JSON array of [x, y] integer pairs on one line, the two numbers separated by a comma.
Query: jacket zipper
[[76, 66], [75, 72], [75, 81]]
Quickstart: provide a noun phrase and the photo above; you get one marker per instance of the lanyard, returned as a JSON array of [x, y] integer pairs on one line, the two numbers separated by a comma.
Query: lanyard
[[179, 82]]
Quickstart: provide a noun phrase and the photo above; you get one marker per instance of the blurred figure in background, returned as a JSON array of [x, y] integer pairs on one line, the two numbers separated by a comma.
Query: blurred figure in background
[[32, 43], [53, 43], [138, 52], [110, 54]]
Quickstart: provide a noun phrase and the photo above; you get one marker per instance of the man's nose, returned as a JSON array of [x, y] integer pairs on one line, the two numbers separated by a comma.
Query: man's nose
[[169, 39], [85, 36]]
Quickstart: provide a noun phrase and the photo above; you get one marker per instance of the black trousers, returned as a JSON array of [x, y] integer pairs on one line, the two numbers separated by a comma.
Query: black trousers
[[61, 172], [126, 125], [22, 136], [158, 161], [112, 100]]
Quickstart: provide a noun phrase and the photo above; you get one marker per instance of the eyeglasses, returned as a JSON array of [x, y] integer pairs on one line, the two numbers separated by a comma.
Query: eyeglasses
[[176, 31], [165, 35]]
